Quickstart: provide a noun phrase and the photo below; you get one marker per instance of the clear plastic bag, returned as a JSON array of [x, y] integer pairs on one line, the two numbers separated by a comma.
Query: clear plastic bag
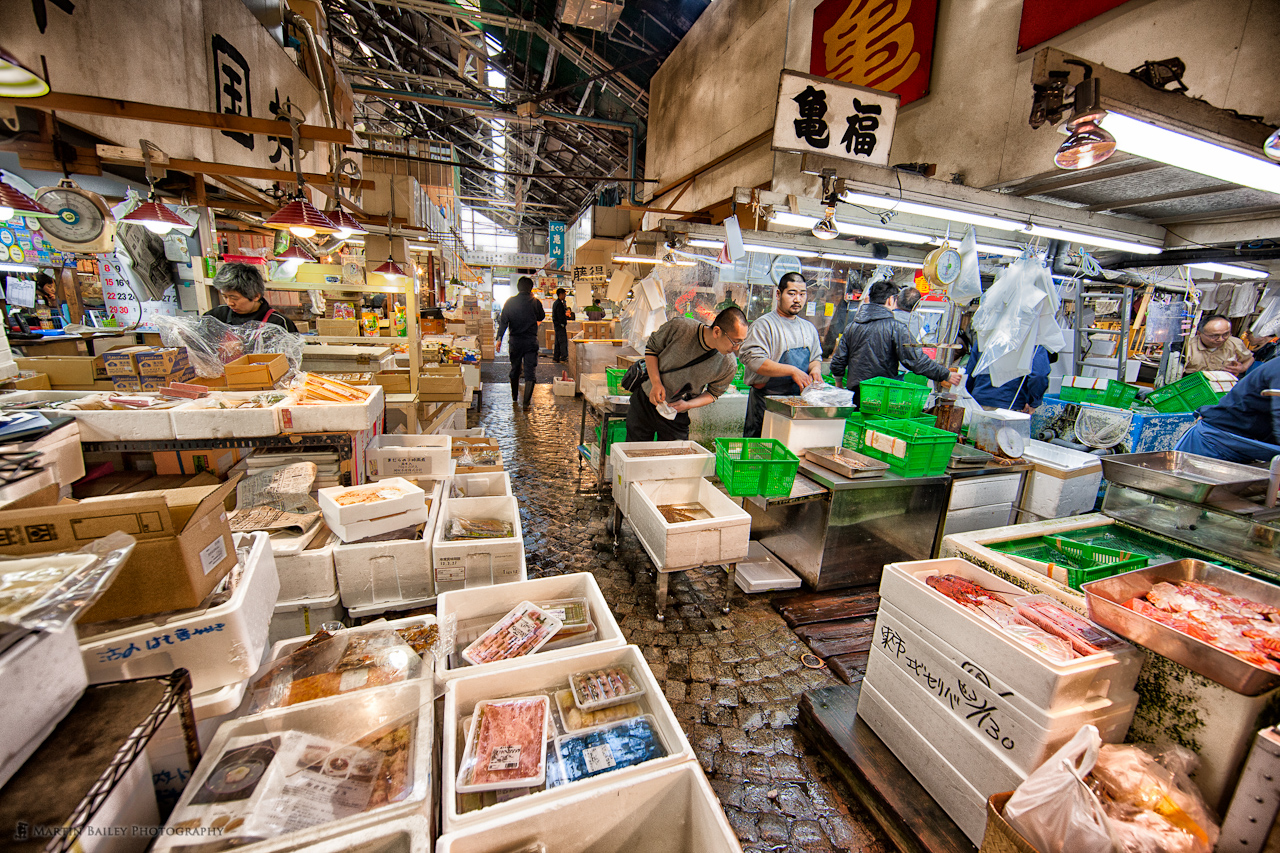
[[1153, 805], [342, 663], [823, 394], [968, 285], [48, 592], [1016, 315], [1054, 810], [211, 343]]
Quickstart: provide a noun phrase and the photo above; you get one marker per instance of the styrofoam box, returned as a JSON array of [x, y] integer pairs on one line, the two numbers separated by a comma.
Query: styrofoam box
[[404, 835], [952, 789], [1065, 481], [482, 561], [60, 452], [978, 518], [106, 425], [473, 432], [41, 676], [333, 417], [462, 694], [984, 491], [203, 419], [1043, 683], [167, 749], [305, 616], [218, 645], [628, 469], [563, 388], [364, 711], [1026, 736], [387, 571], [396, 496], [801, 434], [723, 538], [486, 484], [307, 572], [131, 803], [409, 456], [496, 601], [358, 530], [289, 645], [672, 810], [762, 572]]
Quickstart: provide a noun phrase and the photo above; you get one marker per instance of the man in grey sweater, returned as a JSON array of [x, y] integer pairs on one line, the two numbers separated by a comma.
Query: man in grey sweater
[[689, 365], [782, 353]]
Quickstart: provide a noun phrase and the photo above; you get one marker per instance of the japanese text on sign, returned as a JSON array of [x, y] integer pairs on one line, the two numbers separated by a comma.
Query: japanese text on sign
[[231, 92], [555, 243], [595, 273], [813, 110]]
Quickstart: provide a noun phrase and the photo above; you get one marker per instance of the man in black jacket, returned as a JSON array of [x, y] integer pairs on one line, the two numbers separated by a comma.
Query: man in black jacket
[[560, 317], [876, 342], [522, 313]]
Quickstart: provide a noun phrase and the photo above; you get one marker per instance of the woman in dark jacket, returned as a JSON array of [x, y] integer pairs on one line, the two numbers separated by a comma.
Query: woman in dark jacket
[[242, 287]]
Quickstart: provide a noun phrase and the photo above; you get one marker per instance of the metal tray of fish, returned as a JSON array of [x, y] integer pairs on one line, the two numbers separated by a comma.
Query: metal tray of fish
[[1184, 476], [962, 456], [797, 408], [1106, 600], [844, 461]]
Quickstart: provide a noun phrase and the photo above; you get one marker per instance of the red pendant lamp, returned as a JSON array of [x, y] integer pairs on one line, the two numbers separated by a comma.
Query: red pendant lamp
[[155, 216], [391, 269], [301, 219], [296, 253], [14, 202]]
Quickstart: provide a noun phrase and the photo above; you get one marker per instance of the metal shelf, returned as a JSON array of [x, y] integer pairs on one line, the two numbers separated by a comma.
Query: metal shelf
[[338, 442]]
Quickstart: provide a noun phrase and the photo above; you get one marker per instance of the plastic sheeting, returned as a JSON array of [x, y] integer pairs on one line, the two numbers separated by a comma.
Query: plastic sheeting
[[1016, 315], [211, 343]]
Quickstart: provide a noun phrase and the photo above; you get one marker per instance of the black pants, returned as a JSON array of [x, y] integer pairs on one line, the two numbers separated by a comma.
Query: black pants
[[755, 414], [523, 353], [645, 424], [561, 352]]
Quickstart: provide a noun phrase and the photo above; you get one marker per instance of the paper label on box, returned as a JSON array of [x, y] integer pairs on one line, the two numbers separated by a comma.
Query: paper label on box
[[505, 758], [450, 569], [522, 629], [353, 679], [598, 758], [557, 612], [213, 554]]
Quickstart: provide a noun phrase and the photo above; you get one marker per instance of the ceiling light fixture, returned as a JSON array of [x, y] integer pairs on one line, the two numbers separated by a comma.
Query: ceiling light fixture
[[891, 203], [1093, 240], [635, 259], [153, 214], [796, 251], [825, 229], [1086, 144], [348, 227], [1272, 146], [14, 202], [1229, 270], [11, 267], [988, 248], [300, 217], [866, 259], [799, 220], [18, 82], [391, 270], [296, 253]]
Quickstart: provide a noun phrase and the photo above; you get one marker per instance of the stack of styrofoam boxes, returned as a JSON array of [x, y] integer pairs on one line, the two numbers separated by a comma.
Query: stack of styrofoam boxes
[[546, 676], [41, 676], [1065, 482], [61, 453], [221, 646], [359, 512], [969, 710], [208, 417], [308, 583], [464, 563], [629, 469], [8, 367]]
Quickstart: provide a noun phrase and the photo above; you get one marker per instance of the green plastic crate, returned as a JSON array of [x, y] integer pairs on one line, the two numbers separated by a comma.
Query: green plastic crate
[[890, 397], [915, 379], [614, 376], [755, 466], [742, 386], [617, 432], [1185, 395], [856, 425], [1094, 562], [928, 449], [1117, 394], [740, 371]]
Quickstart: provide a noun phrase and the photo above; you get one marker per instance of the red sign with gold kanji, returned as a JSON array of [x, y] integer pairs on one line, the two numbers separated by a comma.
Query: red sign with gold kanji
[[880, 44]]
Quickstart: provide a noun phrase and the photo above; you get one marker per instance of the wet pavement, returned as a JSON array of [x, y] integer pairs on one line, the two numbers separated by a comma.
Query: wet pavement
[[733, 681]]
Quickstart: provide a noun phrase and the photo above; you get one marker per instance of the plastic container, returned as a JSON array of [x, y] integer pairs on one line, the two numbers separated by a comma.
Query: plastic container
[[403, 835], [1041, 682], [218, 645], [985, 427], [613, 376], [755, 466], [910, 449], [487, 484], [1104, 392], [673, 810], [801, 434], [391, 496], [484, 606], [724, 537], [1101, 561], [508, 759], [42, 676], [167, 749], [522, 631], [880, 396], [693, 460], [1186, 395], [478, 562], [617, 433], [603, 688], [592, 752], [1065, 481], [304, 616]]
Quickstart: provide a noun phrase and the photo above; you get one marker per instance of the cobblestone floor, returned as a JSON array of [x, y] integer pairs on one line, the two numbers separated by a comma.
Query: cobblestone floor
[[734, 681]]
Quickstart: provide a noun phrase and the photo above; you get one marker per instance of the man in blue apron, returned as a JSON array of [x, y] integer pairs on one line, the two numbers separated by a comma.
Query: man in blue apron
[[1244, 426], [782, 354]]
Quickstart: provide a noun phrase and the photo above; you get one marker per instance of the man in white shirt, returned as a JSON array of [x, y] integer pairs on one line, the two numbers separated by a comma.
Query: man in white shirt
[[782, 353]]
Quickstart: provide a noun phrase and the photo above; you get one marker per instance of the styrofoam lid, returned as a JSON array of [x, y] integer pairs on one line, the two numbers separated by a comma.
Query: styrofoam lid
[[1059, 457]]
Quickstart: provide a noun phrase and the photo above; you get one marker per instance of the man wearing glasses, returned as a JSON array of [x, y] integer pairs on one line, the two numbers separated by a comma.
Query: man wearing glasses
[[1215, 348], [689, 365]]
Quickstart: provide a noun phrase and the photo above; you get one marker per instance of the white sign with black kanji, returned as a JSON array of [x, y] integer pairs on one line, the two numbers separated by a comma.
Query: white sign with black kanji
[[821, 116]]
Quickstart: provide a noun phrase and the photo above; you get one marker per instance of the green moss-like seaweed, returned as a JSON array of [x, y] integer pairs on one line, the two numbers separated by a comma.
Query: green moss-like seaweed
[[1167, 709]]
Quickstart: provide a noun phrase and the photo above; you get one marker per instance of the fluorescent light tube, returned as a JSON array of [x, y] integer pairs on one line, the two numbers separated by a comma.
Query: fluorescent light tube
[[866, 259], [902, 206], [799, 220], [1187, 152], [704, 243], [988, 248], [8, 267], [1091, 240], [778, 250], [635, 259], [1229, 269]]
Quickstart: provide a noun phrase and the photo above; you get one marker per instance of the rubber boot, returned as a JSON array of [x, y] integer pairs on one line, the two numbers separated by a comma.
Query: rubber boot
[[528, 392], [515, 392]]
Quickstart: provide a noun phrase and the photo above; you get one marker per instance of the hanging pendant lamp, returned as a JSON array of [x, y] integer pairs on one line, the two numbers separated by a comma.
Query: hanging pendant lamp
[[391, 270], [14, 202], [296, 253], [155, 216]]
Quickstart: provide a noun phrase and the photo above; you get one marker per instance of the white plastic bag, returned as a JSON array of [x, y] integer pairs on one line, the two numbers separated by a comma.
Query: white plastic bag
[[1054, 810], [824, 394], [968, 286]]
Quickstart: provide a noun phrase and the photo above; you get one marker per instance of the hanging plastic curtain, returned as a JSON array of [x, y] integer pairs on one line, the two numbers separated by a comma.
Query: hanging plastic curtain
[[1016, 315]]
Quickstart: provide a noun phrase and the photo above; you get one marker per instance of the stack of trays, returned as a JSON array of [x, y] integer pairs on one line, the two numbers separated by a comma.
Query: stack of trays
[[358, 512]]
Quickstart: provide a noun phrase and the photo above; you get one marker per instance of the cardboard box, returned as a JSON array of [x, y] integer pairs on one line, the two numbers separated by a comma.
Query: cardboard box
[[184, 545], [67, 371], [126, 383], [191, 462], [338, 328], [161, 362], [122, 362], [28, 381], [256, 372]]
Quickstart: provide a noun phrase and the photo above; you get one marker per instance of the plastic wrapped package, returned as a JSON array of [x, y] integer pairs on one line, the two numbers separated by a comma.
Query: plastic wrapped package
[[48, 592], [603, 688], [211, 343], [574, 719], [612, 747], [459, 529], [1054, 810], [968, 285], [506, 745], [824, 394], [335, 665], [1152, 804], [1016, 315], [522, 631]]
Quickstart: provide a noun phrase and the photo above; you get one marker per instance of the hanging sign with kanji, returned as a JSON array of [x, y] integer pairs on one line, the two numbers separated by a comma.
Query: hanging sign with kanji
[[821, 116], [884, 44]]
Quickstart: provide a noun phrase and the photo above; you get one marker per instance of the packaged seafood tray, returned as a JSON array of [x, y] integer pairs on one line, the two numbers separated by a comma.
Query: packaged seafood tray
[[522, 631], [345, 505], [692, 819], [720, 536], [574, 719], [167, 749], [467, 562], [506, 745], [475, 610], [1041, 681], [420, 632], [592, 752], [313, 772], [657, 460], [41, 676], [219, 644], [388, 570], [355, 416], [603, 688], [1159, 620], [978, 701], [545, 677]]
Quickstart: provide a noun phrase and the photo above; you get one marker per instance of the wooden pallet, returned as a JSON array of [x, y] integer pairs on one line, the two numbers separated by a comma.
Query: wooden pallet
[[810, 607]]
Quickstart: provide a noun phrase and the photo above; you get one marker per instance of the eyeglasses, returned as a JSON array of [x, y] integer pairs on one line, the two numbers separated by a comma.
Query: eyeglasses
[[1220, 337]]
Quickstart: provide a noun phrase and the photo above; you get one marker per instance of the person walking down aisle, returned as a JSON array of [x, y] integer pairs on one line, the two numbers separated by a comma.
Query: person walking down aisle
[[876, 342], [782, 353], [522, 314], [689, 365], [560, 317]]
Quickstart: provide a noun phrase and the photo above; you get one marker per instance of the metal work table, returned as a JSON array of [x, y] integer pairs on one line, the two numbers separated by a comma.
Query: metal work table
[[838, 532], [604, 410]]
